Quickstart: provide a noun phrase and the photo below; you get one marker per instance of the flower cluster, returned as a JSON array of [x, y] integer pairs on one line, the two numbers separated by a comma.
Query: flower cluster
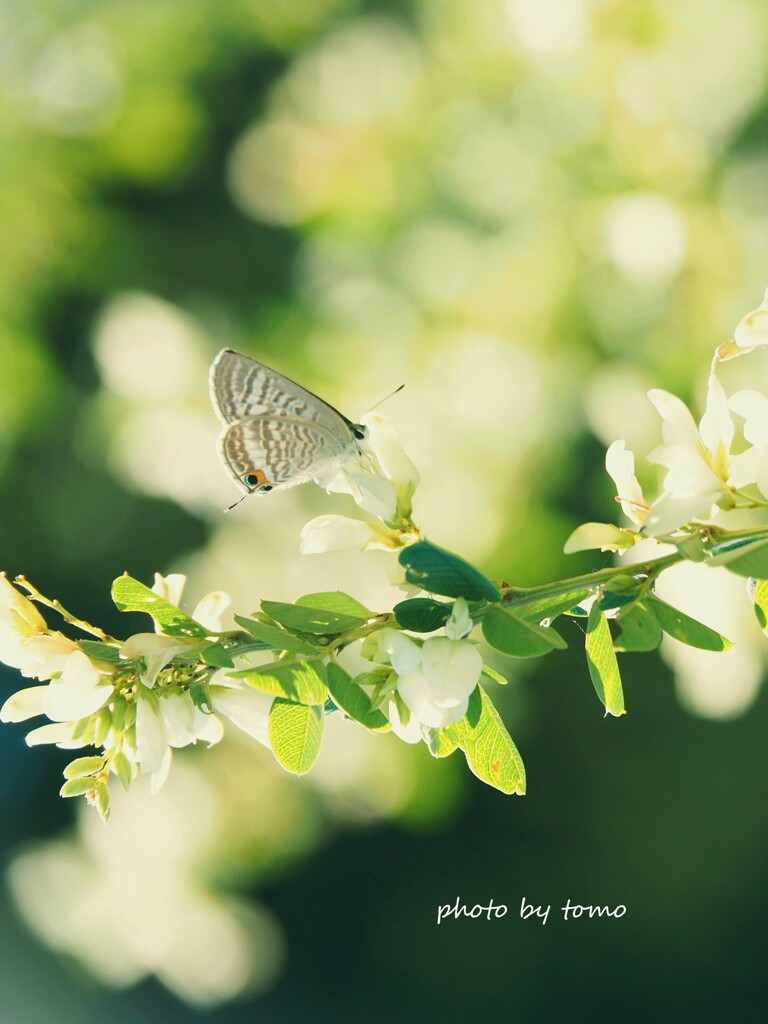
[[281, 671], [433, 680], [382, 480], [704, 473], [132, 699]]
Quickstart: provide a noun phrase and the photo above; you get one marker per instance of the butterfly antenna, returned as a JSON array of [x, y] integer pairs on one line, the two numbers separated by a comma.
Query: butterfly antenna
[[387, 398], [236, 503]]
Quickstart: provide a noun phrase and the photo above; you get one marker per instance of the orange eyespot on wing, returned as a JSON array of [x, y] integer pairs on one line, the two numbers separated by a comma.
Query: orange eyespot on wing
[[254, 478]]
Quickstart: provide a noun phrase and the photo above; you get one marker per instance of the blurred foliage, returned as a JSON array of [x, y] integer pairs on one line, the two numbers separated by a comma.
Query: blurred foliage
[[530, 211]]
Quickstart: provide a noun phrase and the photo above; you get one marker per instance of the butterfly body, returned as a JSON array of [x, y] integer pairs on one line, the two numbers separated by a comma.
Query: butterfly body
[[275, 433]]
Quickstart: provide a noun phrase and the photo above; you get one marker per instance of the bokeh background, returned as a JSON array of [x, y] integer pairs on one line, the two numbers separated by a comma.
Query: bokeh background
[[529, 212]]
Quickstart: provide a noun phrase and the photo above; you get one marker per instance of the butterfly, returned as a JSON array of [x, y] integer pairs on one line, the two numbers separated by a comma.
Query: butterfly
[[275, 434]]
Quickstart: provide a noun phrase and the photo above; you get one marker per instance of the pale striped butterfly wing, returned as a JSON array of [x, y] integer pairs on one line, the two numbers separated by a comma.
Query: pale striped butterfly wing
[[276, 433]]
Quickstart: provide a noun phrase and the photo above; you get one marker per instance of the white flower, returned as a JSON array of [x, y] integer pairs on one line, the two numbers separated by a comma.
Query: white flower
[[404, 654], [699, 464], [410, 733], [79, 692], [752, 329], [395, 464], [19, 620], [753, 407], [59, 733], [340, 533], [42, 657], [17, 611], [244, 706], [157, 651], [435, 681], [170, 587], [185, 723], [151, 737], [620, 464], [208, 611], [460, 622], [381, 478], [24, 704]]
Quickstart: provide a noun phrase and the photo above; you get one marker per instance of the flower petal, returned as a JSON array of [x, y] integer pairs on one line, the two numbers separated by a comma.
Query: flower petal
[[151, 739], [453, 669], [59, 733], [372, 492], [753, 407], [460, 622], [416, 691], [80, 691], [17, 611], [24, 704], [404, 654], [159, 777], [620, 464], [716, 426], [46, 655], [170, 587], [605, 536], [669, 512], [385, 443], [410, 733], [157, 651], [678, 425], [752, 329], [245, 707], [334, 533], [210, 610], [178, 714]]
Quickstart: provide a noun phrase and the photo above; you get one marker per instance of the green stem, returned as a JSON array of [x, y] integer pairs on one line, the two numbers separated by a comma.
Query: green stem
[[590, 580], [56, 606]]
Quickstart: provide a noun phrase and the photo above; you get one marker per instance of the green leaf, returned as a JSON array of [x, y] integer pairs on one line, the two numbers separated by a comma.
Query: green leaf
[[198, 691], [743, 556], [354, 701], [272, 637], [601, 659], [638, 629], [217, 656], [422, 614], [295, 734], [311, 620], [611, 600], [441, 742], [118, 715], [489, 750], [511, 635], [440, 572], [605, 536], [123, 769], [497, 677], [83, 730], [99, 651], [535, 609], [760, 598], [101, 727], [335, 601], [83, 766], [102, 800], [685, 629], [301, 682], [77, 787], [131, 596]]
